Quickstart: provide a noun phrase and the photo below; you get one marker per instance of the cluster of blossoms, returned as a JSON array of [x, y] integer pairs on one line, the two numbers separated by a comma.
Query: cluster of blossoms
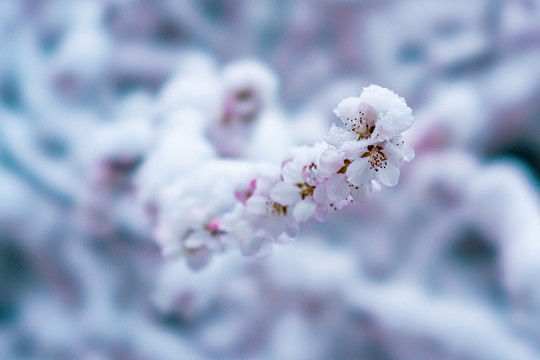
[[251, 206]]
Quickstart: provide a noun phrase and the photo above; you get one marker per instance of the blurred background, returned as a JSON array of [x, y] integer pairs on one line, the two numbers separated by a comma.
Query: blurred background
[[446, 265]]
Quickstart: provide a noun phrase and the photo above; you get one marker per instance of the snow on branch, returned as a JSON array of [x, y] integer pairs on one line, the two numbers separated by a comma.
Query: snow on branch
[[223, 204]]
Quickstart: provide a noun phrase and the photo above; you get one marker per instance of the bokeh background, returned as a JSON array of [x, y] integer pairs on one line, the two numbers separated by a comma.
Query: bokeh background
[[446, 265]]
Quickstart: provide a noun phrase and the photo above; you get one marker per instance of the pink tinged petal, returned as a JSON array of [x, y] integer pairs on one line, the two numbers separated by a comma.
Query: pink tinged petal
[[310, 175], [320, 194], [388, 176], [320, 212], [340, 204], [213, 225], [362, 193], [244, 194], [330, 161], [358, 172], [304, 209], [370, 114], [338, 187], [285, 193], [291, 173]]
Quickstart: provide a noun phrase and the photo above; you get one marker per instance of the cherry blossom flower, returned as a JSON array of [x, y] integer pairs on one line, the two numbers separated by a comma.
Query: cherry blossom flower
[[265, 213], [378, 114], [300, 178], [337, 187]]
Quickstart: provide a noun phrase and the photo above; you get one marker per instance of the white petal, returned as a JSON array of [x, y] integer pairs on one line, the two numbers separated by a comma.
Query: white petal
[[256, 205], [393, 153], [320, 212], [285, 193], [358, 172], [362, 193], [292, 173], [320, 194], [347, 110], [338, 187], [370, 114], [408, 151], [331, 160], [388, 176], [304, 209]]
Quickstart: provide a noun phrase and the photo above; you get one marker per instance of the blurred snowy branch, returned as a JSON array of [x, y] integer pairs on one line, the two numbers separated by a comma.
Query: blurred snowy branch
[[124, 121]]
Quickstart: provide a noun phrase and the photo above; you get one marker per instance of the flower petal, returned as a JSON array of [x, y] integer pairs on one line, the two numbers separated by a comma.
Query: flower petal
[[362, 192], [257, 205], [320, 212], [285, 193], [358, 172], [330, 161], [388, 176], [320, 194], [292, 173], [304, 209], [338, 187]]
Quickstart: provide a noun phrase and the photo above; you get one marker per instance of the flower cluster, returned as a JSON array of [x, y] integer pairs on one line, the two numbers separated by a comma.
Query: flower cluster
[[251, 206]]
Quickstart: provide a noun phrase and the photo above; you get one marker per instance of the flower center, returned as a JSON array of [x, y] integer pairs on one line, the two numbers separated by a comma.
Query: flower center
[[377, 159], [276, 209], [305, 190], [346, 164], [360, 126]]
